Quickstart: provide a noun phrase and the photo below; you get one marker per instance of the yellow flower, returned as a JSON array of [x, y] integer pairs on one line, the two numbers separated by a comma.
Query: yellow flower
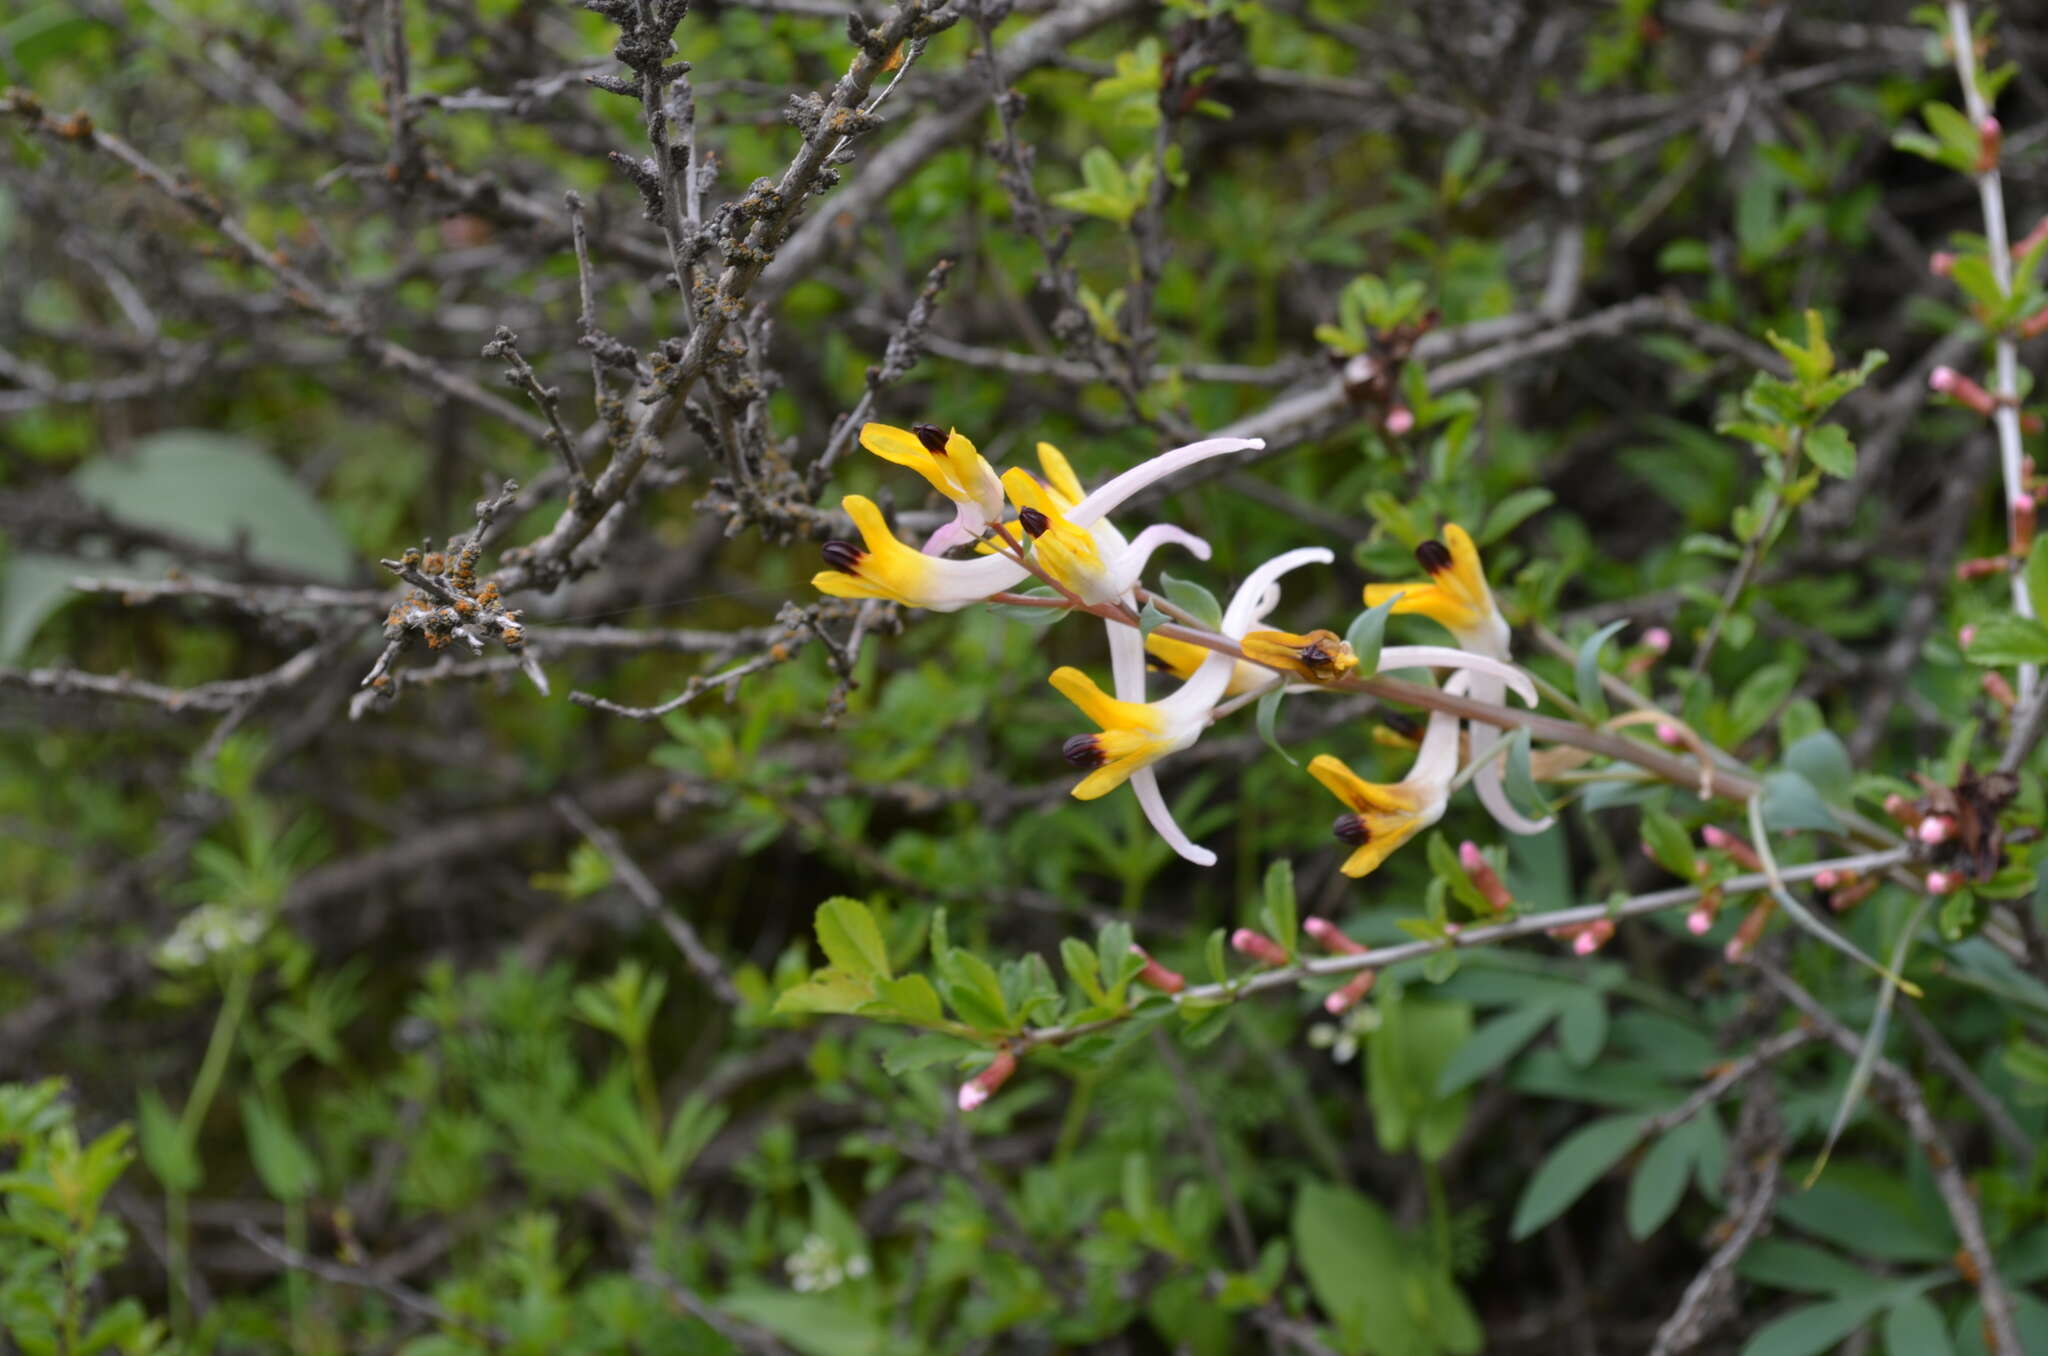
[[1318, 657], [1132, 734], [1381, 817], [1066, 552], [1455, 594], [886, 568], [944, 457]]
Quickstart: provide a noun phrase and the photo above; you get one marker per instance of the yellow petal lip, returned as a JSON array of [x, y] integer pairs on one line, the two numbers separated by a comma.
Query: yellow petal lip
[[1386, 816], [954, 468], [1059, 474]]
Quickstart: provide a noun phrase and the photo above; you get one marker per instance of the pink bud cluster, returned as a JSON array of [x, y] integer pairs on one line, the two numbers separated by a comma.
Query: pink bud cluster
[[1484, 878]]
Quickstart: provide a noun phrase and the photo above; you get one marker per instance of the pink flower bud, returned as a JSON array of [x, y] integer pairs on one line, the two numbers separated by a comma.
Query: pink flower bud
[[1826, 880], [1484, 878], [1999, 690], [1586, 943], [1901, 809], [1941, 379], [1399, 420], [1990, 139], [1658, 639], [1327, 933], [1738, 849], [1157, 976], [1257, 947], [1852, 894], [984, 1085], [1943, 882], [1667, 734], [1699, 922], [1941, 263], [1348, 996], [1959, 388], [1736, 951], [1966, 635], [1935, 829]]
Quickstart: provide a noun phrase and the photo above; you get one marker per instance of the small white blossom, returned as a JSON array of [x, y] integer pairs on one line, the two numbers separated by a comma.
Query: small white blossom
[[208, 931], [818, 1265]]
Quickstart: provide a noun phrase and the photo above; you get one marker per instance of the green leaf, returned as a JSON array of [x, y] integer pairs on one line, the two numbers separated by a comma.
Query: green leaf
[[1831, 450], [1659, 1182], [1571, 1169], [164, 1146], [1492, 1045], [1586, 671], [1367, 632], [1790, 802], [1913, 1327], [1669, 844], [1759, 697], [1352, 1256], [852, 943], [828, 1324], [1150, 618], [32, 586], [1194, 600], [1268, 713], [1511, 512], [1823, 761], [2036, 577], [2008, 640], [287, 1170], [1279, 911], [222, 491], [912, 999], [1519, 783], [926, 1049], [1582, 1027], [1813, 1329]]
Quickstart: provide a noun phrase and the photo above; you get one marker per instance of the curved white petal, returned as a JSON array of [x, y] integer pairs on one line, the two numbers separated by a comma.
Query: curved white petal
[[1248, 602], [1130, 563], [1154, 805], [1444, 657], [1489, 779], [1126, 661], [954, 584], [1110, 495]]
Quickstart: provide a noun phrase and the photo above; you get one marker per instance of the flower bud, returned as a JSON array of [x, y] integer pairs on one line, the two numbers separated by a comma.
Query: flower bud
[[1752, 930], [1399, 420], [1592, 937], [1941, 263], [1966, 634], [1999, 690], [1852, 894], [984, 1085], [1347, 997], [1737, 849], [2023, 512], [1699, 922], [1157, 976], [1990, 140], [1959, 388], [1983, 567], [1484, 878], [1943, 882], [1657, 638], [1826, 880], [1901, 809], [1333, 941], [1667, 734], [1258, 947], [1935, 829]]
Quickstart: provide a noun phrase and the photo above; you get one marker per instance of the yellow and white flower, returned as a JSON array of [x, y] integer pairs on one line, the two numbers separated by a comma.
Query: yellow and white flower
[[955, 468], [883, 567], [1457, 597]]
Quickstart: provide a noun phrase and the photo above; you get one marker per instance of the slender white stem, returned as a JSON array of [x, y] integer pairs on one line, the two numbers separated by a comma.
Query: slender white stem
[[2005, 356]]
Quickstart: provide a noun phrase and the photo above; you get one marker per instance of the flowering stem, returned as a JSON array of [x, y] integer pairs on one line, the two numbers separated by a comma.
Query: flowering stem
[[1990, 192], [1379, 958]]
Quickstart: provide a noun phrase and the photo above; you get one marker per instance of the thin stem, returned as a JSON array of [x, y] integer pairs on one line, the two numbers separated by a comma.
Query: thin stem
[[1379, 958], [2005, 417], [219, 1046]]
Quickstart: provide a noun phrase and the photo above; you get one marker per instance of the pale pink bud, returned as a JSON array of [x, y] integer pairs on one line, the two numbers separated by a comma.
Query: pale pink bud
[[1658, 639], [1332, 939], [1935, 829], [1901, 809], [978, 1089], [1943, 378], [1349, 995], [2023, 512], [1941, 263], [1943, 882], [1999, 690], [1990, 139], [1157, 976], [1699, 922], [1399, 420], [1585, 944], [1483, 877], [1737, 848], [1258, 947], [1667, 734], [1826, 880], [1966, 635], [1736, 950], [1961, 389], [1745, 939]]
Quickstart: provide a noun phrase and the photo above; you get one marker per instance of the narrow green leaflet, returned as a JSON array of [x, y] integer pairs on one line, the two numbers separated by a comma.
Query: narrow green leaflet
[[1194, 600], [1587, 670], [1268, 719], [1366, 634], [1572, 1168]]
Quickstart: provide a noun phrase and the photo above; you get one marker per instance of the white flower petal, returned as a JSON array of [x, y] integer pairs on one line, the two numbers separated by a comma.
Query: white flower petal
[[1146, 784], [1444, 657], [1109, 496]]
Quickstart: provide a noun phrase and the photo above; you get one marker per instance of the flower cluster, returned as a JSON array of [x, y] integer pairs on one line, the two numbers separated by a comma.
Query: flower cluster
[[1061, 535]]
